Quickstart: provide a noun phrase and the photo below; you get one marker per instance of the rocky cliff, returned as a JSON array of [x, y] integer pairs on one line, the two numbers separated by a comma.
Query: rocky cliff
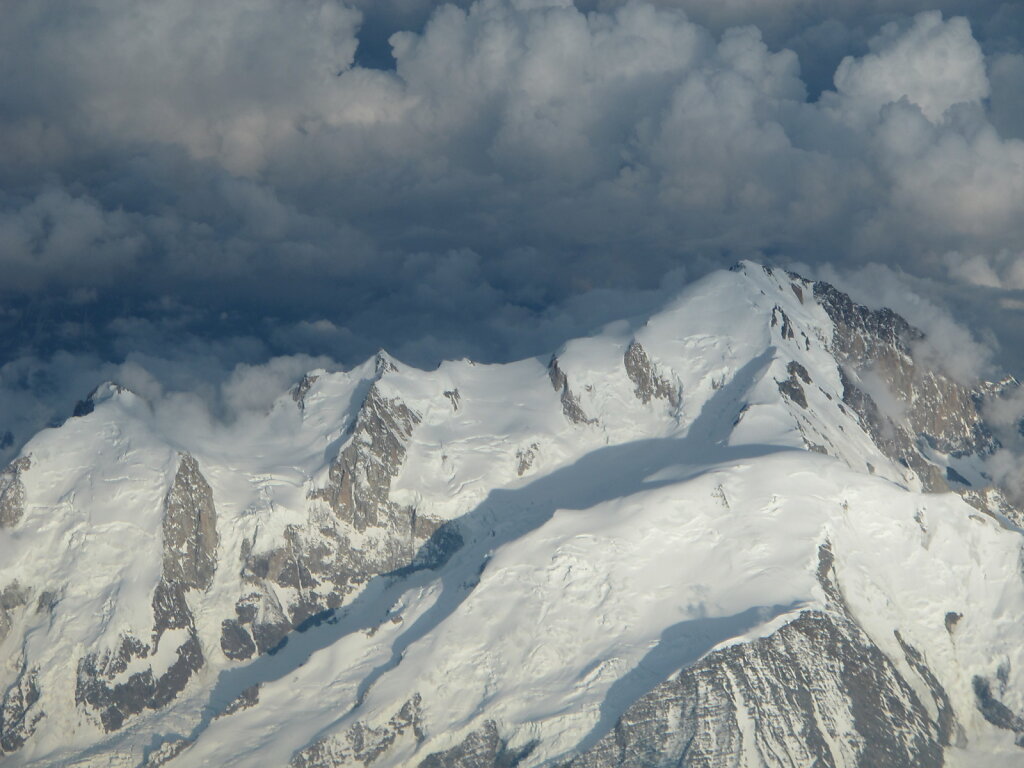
[[735, 535]]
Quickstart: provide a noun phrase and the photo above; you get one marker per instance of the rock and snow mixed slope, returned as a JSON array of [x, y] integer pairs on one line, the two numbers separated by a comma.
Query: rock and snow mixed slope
[[755, 530]]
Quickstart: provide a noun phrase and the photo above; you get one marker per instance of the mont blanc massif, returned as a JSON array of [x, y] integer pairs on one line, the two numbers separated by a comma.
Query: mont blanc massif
[[758, 528]]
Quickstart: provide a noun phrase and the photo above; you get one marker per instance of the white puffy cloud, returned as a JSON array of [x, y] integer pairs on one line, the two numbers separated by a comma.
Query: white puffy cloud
[[934, 64], [60, 238], [223, 183], [224, 80]]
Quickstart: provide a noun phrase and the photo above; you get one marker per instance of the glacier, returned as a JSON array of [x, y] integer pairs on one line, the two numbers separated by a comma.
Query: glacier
[[754, 529]]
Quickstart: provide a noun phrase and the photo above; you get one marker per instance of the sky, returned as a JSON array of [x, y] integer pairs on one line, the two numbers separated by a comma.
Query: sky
[[207, 199]]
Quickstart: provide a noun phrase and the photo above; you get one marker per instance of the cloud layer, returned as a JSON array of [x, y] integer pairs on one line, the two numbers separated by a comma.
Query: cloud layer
[[188, 187]]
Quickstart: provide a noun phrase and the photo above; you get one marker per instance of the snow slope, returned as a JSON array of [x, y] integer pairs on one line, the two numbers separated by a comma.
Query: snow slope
[[532, 563]]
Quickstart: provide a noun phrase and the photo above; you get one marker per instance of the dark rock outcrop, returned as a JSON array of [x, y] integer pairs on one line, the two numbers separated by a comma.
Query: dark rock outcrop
[[19, 711], [318, 561], [995, 711], [189, 562], [951, 620], [454, 398], [815, 692], [362, 743], [12, 491], [570, 403], [250, 697], [949, 730], [12, 597], [235, 640], [260, 623], [648, 383], [940, 412], [484, 748], [525, 457], [115, 702], [190, 529], [359, 480], [300, 390], [792, 387], [781, 320]]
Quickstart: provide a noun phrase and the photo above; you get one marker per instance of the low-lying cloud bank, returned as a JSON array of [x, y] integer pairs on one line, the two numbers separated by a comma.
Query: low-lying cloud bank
[[189, 187]]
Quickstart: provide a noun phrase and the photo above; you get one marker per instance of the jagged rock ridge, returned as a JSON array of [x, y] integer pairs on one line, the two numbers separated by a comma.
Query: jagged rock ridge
[[189, 561], [648, 381], [940, 412], [318, 562], [486, 566], [12, 491]]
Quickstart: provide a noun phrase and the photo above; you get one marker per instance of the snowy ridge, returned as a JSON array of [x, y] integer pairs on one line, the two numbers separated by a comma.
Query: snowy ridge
[[666, 543]]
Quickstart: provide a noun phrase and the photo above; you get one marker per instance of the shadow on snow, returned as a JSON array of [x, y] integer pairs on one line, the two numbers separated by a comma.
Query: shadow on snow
[[458, 552]]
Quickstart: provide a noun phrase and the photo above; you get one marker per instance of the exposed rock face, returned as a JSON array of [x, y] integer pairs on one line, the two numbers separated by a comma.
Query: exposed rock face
[[359, 480], [815, 692], [83, 408], [19, 714], [12, 491], [101, 684], [454, 398], [781, 320], [190, 529], [939, 411], [892, 439], [949, 730], [647, 381], [363, 744], [318, 562], [951, 620], [250, 697], [484, 748], [991, 499], [87, 406], [235, 640], [996, 712], [17, 717], [792, 387], [525, 457], [300, 390], [818, 691], [166, 752], [189, 562], [259, 624], [12, 597], [570, 404], [99, 688], [170, 609]]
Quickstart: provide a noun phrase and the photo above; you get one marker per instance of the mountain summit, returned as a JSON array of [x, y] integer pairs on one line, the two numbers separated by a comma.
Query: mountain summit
[[757, 530]]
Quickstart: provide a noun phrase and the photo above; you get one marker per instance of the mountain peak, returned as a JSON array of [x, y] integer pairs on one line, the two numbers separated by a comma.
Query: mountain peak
[[526, 562], [108, 390]]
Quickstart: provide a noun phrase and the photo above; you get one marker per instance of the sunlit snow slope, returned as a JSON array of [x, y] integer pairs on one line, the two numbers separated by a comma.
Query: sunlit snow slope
[[754, 530]]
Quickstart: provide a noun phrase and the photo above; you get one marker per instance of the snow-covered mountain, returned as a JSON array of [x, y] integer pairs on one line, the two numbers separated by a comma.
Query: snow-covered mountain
[[756, 530]]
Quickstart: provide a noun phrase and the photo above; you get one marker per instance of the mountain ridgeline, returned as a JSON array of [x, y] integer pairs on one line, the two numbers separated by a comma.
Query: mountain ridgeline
[[757, 529]]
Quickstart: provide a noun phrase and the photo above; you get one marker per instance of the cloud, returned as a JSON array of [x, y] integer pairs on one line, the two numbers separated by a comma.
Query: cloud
[[59, 239], [933, 64], [193, 188], [1004, 269], [221, 80], [950, 344]]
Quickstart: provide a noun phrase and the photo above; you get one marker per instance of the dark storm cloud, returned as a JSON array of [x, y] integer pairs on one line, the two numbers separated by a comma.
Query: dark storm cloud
[[189, 188]]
